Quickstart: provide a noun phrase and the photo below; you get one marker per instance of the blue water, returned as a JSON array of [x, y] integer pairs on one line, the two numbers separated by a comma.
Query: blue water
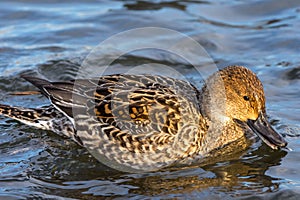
[[53, 38]]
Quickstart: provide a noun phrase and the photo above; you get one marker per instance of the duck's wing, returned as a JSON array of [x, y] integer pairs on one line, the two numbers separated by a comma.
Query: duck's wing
[[61, 94], [132, 121]]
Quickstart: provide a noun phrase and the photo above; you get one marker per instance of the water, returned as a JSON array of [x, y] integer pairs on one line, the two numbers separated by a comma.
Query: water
[[52, 38]]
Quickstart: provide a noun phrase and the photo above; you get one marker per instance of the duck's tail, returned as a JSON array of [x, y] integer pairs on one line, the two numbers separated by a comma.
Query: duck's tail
[[24, 115], [46, 118]]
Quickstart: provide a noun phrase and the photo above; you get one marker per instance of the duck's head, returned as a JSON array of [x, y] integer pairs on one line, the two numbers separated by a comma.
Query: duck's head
[[235, 93]]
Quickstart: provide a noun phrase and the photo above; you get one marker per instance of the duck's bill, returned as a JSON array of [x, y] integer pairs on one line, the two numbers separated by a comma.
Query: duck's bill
[[264, 130]]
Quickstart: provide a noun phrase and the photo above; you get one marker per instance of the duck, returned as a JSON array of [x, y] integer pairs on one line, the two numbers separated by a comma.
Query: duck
[[147, 122]]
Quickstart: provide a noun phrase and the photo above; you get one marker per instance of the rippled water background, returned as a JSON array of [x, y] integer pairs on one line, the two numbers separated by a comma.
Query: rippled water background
[[52, 38]]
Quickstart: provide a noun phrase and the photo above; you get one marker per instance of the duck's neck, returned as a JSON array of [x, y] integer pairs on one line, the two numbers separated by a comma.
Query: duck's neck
[[221, 133]]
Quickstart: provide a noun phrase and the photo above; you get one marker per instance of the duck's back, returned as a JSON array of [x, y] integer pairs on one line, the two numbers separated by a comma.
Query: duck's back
[[131, 121]]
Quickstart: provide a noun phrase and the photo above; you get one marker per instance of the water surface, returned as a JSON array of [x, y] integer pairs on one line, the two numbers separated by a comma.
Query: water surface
[[52, 38]]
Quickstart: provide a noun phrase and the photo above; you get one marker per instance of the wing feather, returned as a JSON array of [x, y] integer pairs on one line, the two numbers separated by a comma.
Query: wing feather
[[127, 114]]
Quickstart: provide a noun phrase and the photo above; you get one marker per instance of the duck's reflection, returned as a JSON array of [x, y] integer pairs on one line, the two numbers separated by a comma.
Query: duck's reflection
[[236, 170]]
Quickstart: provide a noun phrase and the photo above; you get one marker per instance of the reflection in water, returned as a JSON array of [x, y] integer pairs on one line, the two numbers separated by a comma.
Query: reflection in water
[[234, 170], [263, 35], [148, 5]]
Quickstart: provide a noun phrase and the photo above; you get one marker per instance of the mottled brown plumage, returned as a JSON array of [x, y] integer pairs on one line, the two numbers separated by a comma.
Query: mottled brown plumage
[[144, 122]]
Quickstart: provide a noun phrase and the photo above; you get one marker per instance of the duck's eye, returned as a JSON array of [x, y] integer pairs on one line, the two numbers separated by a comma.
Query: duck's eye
[[246, 98]]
